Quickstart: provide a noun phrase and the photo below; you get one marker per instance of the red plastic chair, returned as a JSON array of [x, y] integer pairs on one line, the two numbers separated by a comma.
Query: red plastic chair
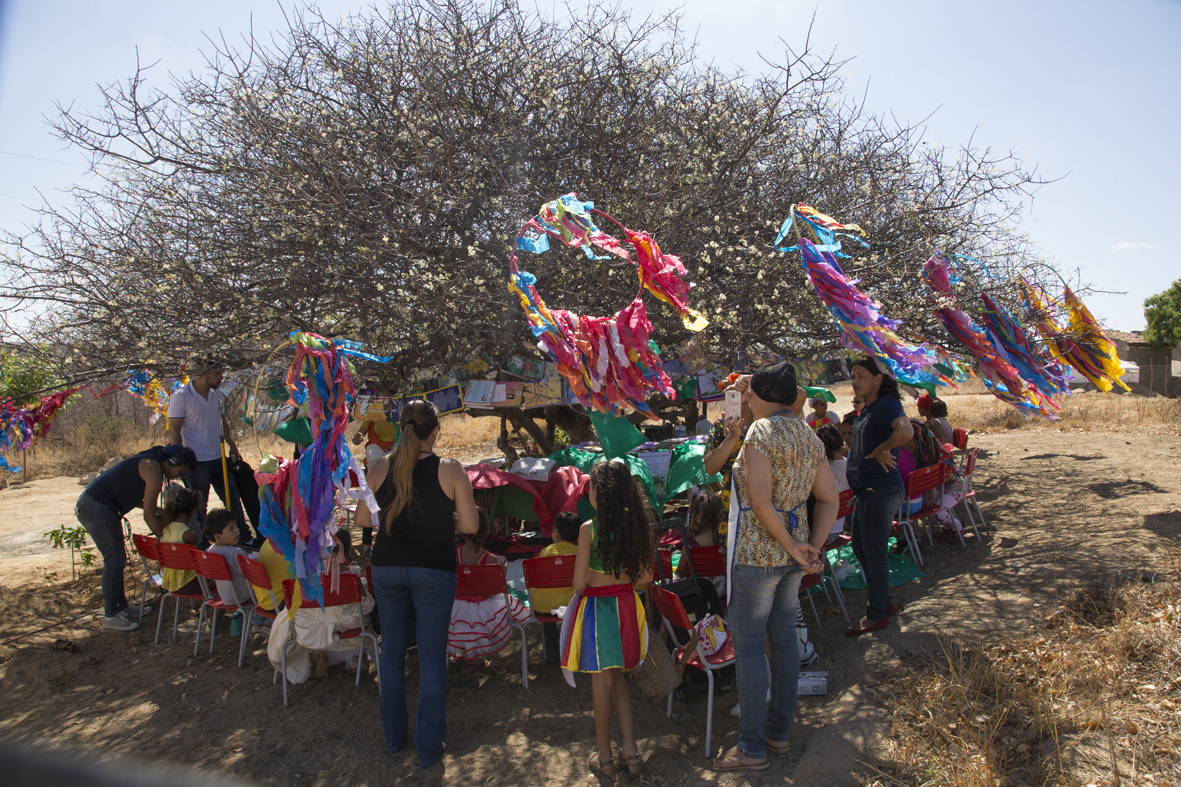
[[674, 614], [178, 557], [483, 582], [145, 547], [708, 561], [256, 574], [918, 484], [349, 593], [662, 566], [969, 500], [212, 567], [542, 573], [847, 503], [959, 439]]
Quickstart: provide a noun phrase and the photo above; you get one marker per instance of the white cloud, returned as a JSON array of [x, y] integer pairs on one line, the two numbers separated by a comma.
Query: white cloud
[[1133, 246]]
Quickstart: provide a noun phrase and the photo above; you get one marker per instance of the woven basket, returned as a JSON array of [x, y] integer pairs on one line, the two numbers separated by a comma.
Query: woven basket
[[657, 675]]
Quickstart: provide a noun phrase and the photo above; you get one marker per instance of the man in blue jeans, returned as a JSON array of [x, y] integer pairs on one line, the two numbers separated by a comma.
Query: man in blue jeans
[[196, 420], [878, 433]]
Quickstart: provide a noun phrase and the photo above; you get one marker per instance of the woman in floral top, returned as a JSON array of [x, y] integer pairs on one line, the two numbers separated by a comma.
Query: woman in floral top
[[782, 461]]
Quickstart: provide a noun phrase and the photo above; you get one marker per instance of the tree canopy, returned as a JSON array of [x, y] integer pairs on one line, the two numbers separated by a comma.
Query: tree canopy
[[365, 178], [1162, 312]]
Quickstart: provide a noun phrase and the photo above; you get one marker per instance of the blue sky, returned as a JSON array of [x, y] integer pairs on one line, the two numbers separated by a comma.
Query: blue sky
[[1087, 91]]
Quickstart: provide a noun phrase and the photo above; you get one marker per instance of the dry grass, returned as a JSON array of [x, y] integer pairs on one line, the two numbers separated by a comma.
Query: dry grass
[[1094, 698], [1092, 410]]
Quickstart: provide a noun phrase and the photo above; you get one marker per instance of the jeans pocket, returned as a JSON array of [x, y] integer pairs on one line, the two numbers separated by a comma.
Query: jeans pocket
[[432, 576]]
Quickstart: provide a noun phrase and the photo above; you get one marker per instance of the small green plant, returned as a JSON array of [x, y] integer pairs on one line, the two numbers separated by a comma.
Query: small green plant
[[75, 539]]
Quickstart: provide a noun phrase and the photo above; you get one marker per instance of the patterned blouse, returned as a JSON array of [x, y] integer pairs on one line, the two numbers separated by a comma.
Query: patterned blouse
[[795, 453]]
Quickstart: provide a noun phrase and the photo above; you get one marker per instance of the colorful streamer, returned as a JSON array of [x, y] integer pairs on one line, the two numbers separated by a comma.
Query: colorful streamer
[[1032, 359], [301, 496], [1084, 346], [607, 361], [824, 228], [864, 328], [1000, 376]]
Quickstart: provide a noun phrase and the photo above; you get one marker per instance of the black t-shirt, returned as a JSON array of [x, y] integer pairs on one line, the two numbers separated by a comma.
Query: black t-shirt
[[871, 429], [423, 535]]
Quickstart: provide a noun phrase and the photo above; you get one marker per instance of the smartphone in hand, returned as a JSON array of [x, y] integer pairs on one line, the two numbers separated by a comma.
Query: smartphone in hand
[[733, 407]]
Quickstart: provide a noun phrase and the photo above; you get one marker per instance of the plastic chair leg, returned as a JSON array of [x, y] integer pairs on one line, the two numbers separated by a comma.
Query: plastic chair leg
[[709, 715], [143, 599], [836, 591], [212, 630], [247, 620], [524, 657], [160, 619], [175, 618], [815, 614], [200, 623], [979, 511]]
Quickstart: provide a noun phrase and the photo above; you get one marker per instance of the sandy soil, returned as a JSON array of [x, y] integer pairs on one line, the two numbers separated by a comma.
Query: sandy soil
[[1065, 506]]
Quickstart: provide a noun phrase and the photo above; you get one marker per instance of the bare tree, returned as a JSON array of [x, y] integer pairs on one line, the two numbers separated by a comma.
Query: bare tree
[[365, 177]]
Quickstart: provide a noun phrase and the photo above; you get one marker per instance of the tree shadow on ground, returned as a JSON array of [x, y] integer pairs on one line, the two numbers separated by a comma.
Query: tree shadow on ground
[[1164, 523], [1113, 490]]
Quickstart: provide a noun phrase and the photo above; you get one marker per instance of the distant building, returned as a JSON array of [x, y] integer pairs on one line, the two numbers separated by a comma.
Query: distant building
[[1160, 370]]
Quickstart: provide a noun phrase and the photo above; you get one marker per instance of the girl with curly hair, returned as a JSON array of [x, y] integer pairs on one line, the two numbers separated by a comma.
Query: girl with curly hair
[[607, 633]]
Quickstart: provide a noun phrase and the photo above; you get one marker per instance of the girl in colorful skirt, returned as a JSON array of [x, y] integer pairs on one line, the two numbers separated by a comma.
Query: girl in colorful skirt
[[480, 627], [605, 628]]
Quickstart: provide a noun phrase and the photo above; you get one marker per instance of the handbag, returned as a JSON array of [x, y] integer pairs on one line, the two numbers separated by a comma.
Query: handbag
[[657, 674]]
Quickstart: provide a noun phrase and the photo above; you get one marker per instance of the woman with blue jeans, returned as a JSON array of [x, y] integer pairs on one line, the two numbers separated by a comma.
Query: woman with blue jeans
[[879, 432], [424, 501], [133, 483], [770, 547]]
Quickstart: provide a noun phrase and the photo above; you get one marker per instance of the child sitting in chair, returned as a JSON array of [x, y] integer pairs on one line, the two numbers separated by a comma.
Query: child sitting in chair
[[481, 627], [316, 629], [566, 526], [221, 528], [180, 506]]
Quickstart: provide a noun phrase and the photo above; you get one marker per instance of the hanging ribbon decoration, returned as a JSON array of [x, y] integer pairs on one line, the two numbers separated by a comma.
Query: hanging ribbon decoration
[[607, 361], [299, 497], [1084, 346], [1031, 358], [863, 327], [23, 427], [997, 370]]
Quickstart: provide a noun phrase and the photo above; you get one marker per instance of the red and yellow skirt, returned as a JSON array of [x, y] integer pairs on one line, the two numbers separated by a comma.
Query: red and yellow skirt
[[607, 631]]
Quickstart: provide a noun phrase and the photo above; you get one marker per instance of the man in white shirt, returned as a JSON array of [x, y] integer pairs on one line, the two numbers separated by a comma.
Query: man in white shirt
[[196, 420]]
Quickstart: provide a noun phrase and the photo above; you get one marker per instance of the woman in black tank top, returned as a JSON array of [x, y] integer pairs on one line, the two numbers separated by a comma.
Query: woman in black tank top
[[133, 483], [424, 500]]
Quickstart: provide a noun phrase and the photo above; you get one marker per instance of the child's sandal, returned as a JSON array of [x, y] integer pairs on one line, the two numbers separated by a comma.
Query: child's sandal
[[595, 764]]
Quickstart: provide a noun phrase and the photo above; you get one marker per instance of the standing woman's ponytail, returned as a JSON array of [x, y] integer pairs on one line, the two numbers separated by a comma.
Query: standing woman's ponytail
[[419, 419]]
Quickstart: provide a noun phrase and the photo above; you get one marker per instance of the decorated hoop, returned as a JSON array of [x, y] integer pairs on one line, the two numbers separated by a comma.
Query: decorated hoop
[[607, 361]]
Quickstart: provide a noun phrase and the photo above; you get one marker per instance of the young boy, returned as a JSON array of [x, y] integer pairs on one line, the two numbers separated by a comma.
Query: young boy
[[545, 600], [221, 528]]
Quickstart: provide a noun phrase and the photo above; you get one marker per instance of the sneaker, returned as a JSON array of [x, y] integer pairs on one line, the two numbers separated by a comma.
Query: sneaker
[[810, 660], [133, 610], [120, 622]]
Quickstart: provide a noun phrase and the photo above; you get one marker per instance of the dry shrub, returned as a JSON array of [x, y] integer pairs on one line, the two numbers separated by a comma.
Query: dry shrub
[[1094, 698]]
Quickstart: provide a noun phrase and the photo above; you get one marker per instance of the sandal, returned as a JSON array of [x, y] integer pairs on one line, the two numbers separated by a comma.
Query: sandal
[[875, 626], [595, 764], [633, 763], [775, 747], [738, 765]]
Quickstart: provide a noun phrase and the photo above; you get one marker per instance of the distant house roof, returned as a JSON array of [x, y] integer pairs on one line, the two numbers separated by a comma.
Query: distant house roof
[[1135, 337]]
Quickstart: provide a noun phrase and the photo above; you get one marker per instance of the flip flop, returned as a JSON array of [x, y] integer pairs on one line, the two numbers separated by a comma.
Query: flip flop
[[739, 766], [857, 632]]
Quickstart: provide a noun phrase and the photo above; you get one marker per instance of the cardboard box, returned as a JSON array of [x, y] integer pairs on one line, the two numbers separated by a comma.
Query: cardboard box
[[813, 684]]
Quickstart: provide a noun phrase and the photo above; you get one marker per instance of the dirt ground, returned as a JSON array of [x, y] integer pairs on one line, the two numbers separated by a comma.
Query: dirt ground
[[1065, 505]]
